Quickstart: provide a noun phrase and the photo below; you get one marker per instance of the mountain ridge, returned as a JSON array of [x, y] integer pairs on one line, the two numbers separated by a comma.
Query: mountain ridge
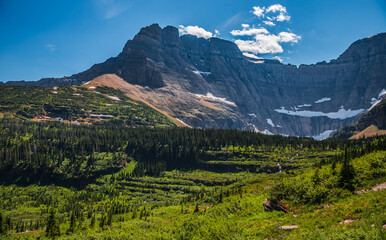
[[183, 75]]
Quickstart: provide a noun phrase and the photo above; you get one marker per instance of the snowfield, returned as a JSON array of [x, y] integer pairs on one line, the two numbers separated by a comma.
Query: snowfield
[[269, 121], [323, 135], [201, 73], [341, 114], [212, 97], [325, 99]]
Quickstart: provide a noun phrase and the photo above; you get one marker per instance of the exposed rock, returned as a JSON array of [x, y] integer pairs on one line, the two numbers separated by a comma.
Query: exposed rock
[[170, 69], [347, 221], [289, 227], [270, 205], [371, 123]]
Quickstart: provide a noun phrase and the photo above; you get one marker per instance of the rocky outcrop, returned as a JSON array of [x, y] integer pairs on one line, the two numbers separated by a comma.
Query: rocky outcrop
[[270, 205], [210, 83], [371, 123]]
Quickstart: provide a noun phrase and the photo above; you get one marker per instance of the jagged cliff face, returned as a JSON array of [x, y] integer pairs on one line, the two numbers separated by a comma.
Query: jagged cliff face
[[210, 83]]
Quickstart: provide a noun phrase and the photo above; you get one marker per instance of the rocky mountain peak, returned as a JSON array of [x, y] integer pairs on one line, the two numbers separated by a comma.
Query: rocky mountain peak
[[365, 48]]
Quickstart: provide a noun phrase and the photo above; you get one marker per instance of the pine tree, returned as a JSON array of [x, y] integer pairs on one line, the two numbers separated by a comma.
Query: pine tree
[[92, 223], [1, 224], [196, 210], [72, 223], [347, 175], [52, 230]]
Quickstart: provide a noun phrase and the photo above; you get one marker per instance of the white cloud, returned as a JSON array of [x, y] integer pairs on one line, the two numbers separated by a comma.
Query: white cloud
[[263, 40], [276, 8], [289, 37], [266, 43], [216, 33], [283, 17], [269, 23], [195, 30], [51, 47], [258, 11], [261, 12], [278, 58], [249, 31]]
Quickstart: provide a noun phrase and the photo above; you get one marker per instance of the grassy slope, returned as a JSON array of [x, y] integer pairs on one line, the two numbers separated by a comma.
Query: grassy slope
[[77, 104], [238, 215]]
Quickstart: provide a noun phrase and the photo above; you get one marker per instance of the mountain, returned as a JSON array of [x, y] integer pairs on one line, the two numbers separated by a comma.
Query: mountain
[[372, 123], [210, 83]]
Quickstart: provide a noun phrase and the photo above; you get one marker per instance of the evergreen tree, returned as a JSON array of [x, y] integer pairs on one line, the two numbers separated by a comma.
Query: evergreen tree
[[92, 223], [52, 230], [1, 224], [347, 175]]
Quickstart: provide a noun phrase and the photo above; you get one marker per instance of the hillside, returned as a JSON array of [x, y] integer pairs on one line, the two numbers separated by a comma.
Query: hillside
[[371, 123], [82, 104], [106, 182], [210, 83]]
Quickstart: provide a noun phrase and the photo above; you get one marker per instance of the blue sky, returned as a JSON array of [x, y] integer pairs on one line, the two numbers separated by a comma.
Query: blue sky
[[52, 38]]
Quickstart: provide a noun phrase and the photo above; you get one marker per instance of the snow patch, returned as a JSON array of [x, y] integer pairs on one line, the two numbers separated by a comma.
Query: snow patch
[[252, 114], [383, 92], [323, 135], [187, 125], [201, 73], [304, 105], [341, 114], [251, 55], [92, 87], [375, 101], [256, 62], [267, 132], [218, 99], [374, 104], [269, 121], [325, 99], [114, 98]]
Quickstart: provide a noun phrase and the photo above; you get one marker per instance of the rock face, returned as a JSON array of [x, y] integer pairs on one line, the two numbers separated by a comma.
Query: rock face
[[371, 123], [270, 206], [210, 83]]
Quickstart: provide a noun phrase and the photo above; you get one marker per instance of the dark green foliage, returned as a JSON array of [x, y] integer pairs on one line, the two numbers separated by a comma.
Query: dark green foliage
[[347, 175], [2, 230], [52, 229]]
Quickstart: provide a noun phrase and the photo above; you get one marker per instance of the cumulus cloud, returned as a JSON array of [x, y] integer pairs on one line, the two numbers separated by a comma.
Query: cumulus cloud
[[258, 40], [278, 58], [249, 31], [276, 8], [267, 43], [269, 23], [261, 12], [289, 37], [283, 17], [258, 11], [216, 33], [195, 30]]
